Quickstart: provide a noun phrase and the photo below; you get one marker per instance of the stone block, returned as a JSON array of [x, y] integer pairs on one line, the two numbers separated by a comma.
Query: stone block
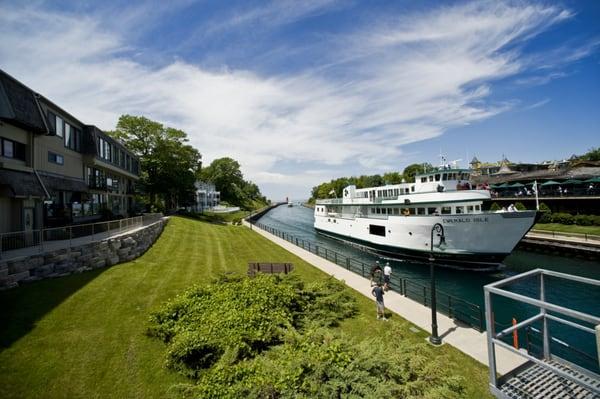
[[35, 261], [4, 272], [44, 270], [64, 267], [98, 264], [128, 242], [8, 286], [115, 244], [113, 260], [30, 279], [17, 266], [18, 276]]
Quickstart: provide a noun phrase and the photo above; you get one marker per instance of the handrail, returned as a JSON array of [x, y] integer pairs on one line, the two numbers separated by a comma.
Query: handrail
[[494, 339], [448, 304]]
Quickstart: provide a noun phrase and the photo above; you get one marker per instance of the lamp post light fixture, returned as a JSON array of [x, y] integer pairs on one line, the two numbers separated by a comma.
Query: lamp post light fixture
[[438, 229]]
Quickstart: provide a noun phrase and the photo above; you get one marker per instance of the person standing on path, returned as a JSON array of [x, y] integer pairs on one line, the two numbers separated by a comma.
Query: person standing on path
[[377, 292], [387, 274], [375, 274]]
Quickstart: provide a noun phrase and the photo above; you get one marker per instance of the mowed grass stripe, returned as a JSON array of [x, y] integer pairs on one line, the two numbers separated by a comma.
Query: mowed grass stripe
[[87, 337]]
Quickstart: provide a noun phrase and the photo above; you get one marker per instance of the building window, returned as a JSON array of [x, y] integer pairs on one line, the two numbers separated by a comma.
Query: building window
[[67, 135], [56, 158], [59, 126], [8, 149]]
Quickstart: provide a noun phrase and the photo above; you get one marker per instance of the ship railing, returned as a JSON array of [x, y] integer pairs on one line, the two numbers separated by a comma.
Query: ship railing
[[456, 308], [545, 365]]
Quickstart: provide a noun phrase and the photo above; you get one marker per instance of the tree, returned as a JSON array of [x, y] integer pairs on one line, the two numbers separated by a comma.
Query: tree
[[414, 169], [592, 155], [226, 175], [168, 165]]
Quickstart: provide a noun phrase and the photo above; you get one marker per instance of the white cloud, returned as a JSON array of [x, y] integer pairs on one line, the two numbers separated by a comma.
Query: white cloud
[[407, 81]]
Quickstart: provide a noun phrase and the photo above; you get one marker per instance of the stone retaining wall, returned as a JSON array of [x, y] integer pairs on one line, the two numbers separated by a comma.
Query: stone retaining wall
[[65, 261]]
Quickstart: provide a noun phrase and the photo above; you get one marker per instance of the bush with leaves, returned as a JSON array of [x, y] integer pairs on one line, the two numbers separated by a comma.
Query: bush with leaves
[[235, 318], [319, 364], [545, 214], [563, 218], [495, 207]]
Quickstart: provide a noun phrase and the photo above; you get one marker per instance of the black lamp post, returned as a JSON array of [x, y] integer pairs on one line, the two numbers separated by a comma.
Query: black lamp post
[[439, 230]]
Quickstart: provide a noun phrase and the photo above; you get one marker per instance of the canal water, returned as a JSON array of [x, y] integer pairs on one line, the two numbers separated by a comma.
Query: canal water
[[468, 285]]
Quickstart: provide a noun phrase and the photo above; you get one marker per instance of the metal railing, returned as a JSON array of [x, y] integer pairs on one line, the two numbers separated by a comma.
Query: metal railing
[[546, 356], [561, 234], [452, 306], [67, 236]]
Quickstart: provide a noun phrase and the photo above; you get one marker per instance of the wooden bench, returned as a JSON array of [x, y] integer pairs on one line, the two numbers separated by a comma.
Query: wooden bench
[[269, 268]]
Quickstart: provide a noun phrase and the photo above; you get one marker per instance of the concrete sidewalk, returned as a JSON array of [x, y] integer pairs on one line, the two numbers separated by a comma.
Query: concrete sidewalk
[[464, 338]]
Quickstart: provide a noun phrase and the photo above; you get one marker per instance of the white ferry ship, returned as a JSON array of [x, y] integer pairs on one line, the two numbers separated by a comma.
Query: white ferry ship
[[397, 220]]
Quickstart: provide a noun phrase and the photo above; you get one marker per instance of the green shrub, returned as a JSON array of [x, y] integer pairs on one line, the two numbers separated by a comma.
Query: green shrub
[[319, 364], [235, 318], [520, 206], [545, 217], [595, 220], [544, 208], [495, 207], [563, 218], [583, 220]]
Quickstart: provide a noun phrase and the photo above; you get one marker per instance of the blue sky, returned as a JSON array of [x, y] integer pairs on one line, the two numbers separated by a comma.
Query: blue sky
[[304, 91]]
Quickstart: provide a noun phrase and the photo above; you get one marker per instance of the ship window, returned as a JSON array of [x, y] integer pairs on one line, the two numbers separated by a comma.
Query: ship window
[[411, 211], [420, 211], [412, 188], [389, 211], [329, 220], [460, 209], [372, 210], [445, 176], [469, 208], [383, 211], [423, 179], [378, 210], [477, 207], [396, 211], [395, 192], [431, 178], [431, 211], [446, 210], [377, 230], [437, 177]]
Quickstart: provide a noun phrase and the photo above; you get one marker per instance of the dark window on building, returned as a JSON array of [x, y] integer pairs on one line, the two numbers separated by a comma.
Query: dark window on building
[[68, 138], [377, 230], [12, 149], [56, 158]]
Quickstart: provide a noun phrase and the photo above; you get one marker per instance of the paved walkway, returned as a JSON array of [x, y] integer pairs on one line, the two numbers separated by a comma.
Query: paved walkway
[[465, 339]]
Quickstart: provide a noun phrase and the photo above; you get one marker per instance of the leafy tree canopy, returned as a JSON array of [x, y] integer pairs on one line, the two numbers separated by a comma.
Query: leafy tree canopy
[[168, 164], [226, 175]]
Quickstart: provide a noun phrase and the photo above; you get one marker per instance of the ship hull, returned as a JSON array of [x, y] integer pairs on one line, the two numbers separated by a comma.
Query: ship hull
[[479, 242]]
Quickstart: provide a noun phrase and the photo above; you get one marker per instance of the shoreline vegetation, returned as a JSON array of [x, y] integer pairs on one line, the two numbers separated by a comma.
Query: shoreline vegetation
[[85, 335]]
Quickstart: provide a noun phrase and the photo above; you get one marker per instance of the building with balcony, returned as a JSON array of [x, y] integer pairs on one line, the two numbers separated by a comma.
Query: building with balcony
[[54, 169], [207, 196]]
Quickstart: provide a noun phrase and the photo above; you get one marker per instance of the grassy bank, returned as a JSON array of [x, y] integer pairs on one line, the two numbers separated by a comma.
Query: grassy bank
[[83, 335], [568, 228]]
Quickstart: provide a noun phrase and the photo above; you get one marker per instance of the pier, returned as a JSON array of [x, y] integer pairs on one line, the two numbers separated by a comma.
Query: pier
[[572, 244]]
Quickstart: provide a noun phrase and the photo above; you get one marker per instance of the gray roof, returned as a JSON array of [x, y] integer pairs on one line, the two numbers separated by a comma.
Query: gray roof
[[18, 104], [21, 184]]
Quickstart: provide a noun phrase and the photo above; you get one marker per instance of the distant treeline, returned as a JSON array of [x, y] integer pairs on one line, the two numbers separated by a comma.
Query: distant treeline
[[325, 190]]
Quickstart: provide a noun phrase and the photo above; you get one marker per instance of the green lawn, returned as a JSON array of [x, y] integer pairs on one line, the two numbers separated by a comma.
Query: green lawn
[[568, 228], [83, 335]]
